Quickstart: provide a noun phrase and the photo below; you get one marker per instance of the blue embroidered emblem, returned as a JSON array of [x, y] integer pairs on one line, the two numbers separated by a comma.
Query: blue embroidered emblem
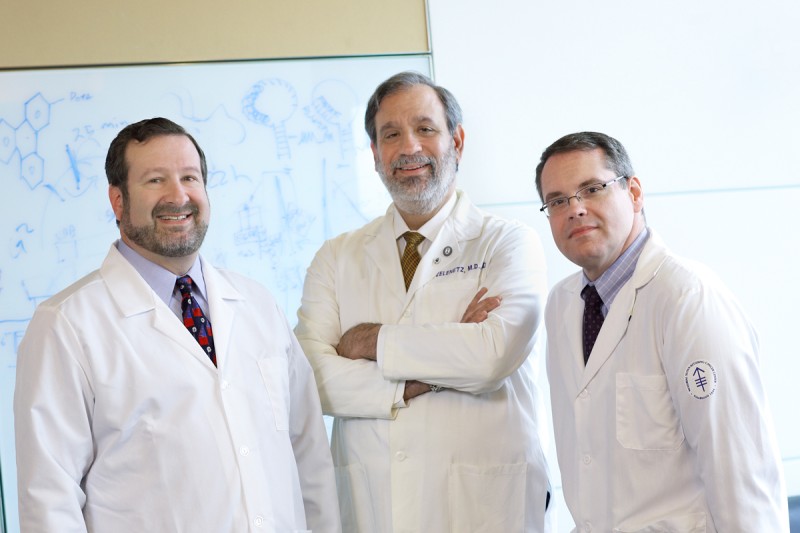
[[701, 379]]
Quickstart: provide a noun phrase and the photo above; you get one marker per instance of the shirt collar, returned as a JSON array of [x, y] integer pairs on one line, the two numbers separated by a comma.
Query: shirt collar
[[431, 228], [161, 280], [611, 281]]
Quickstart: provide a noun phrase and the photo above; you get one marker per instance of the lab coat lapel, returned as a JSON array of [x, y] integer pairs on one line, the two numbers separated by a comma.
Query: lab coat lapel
[[133, 296], [381, 249], [462, 225], [130, 292], [614, 327], [222, 309], [571, 358], [616, 323]]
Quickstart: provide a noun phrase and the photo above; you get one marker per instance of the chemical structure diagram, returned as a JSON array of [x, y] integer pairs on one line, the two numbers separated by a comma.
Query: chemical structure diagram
[[24, 138]]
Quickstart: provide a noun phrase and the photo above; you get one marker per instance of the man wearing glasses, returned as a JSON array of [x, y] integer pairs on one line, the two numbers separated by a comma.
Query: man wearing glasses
[[660, 416]]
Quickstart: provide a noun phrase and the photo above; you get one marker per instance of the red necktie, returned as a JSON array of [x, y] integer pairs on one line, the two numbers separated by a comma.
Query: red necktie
[[194, 319]]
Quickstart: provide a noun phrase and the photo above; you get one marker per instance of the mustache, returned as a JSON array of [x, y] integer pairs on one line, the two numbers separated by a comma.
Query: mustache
[[405, 160], [172, 209]]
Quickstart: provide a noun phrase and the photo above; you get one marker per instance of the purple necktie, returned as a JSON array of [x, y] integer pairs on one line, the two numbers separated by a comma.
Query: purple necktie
[[194, 319], [592, 319]]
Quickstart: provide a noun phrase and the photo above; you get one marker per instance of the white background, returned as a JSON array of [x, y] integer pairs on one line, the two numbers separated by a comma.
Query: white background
[[704, 95]]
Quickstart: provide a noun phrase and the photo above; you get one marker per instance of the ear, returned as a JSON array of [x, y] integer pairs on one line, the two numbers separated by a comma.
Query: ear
[[636, 193], [374, 154], [458, 141], [117, 202]]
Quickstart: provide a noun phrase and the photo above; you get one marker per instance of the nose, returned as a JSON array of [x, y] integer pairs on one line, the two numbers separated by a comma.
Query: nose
[[576, 206], [175, 192], [410, 144]]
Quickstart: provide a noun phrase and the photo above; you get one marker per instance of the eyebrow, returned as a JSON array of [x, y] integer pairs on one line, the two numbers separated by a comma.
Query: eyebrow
[[418, 119], [183, 171]]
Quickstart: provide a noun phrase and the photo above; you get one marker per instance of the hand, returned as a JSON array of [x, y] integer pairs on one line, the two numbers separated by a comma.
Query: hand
[[478, 310], [414, 389], [360, 342]]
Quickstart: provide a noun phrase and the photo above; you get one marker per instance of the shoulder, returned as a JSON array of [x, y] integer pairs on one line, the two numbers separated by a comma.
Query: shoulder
[[245, 285], [567, 287], [684, 286], [357, 236], [492, 227], [88, 287], [684, 275]]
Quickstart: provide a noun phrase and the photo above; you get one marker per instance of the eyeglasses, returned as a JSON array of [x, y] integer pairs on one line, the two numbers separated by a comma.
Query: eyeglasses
[[590, 193]]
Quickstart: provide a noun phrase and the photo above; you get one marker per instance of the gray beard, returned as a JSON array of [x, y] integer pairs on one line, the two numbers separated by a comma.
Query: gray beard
[[407, 195]]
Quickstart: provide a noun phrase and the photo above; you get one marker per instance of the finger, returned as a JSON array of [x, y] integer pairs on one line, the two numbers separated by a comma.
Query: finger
[[478, 296]]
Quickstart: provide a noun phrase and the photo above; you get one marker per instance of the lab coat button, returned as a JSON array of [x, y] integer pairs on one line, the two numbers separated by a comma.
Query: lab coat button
[[587, 459], [244, 450], [258, 521], [584, 394], [224, 384], [407, 313], [400, 456], [587, 527]]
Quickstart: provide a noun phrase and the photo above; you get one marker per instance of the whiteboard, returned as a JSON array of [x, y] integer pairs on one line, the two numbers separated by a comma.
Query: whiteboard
[[289, 166]]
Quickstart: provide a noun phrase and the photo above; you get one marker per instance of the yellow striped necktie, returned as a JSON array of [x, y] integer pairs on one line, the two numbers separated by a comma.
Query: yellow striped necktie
[[410, 258]]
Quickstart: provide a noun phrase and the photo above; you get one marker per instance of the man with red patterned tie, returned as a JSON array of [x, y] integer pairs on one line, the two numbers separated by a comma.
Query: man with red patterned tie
[[131, 412]]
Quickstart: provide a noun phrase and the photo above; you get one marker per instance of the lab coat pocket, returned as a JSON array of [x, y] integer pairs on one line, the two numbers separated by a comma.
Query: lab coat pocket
[[487, 499], [689, 523], [275, 373], [355, 499], [646, 418]]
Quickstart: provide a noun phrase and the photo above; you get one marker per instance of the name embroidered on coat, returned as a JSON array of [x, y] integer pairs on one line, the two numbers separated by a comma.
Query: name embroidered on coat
[[461, 269]]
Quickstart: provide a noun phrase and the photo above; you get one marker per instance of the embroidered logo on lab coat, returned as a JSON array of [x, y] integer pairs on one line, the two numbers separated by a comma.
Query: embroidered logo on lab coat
[[701, 379]]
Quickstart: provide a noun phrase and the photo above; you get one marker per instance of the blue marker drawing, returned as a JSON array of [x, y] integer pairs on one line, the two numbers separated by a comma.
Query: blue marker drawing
[[74, 165], [271, 103], [335, 102]]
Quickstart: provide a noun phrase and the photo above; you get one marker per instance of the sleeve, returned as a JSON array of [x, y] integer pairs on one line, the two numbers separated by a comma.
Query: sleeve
[[725, 416], [53, 403], [347, 388], [476, 358], [310, 445]]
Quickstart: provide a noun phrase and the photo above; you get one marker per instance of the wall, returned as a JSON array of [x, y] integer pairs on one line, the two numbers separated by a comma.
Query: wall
[[703, 95], [94, 32]]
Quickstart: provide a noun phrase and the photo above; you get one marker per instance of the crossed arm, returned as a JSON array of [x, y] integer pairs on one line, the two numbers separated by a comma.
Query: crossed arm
[[361, 341]]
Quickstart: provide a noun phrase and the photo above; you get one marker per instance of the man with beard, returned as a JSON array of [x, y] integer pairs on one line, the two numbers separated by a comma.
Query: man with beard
[[433, 393], [131, 413]]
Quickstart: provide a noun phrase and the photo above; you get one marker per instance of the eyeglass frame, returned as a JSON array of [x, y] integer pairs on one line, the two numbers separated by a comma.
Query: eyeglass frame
[[577, 195]]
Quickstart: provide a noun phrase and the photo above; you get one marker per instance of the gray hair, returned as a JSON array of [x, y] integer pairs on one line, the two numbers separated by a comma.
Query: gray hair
[[406, 80]]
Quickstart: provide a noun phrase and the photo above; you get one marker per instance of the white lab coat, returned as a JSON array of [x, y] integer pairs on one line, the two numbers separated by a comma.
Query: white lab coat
[[123, 424], [467, 459], [643, 446]]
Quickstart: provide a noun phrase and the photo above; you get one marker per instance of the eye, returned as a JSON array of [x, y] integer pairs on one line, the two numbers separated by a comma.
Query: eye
[[557, 203], [593, 189]]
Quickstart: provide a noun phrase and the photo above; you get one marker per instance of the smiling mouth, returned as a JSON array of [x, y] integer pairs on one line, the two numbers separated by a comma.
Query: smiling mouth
[[174, 217]]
